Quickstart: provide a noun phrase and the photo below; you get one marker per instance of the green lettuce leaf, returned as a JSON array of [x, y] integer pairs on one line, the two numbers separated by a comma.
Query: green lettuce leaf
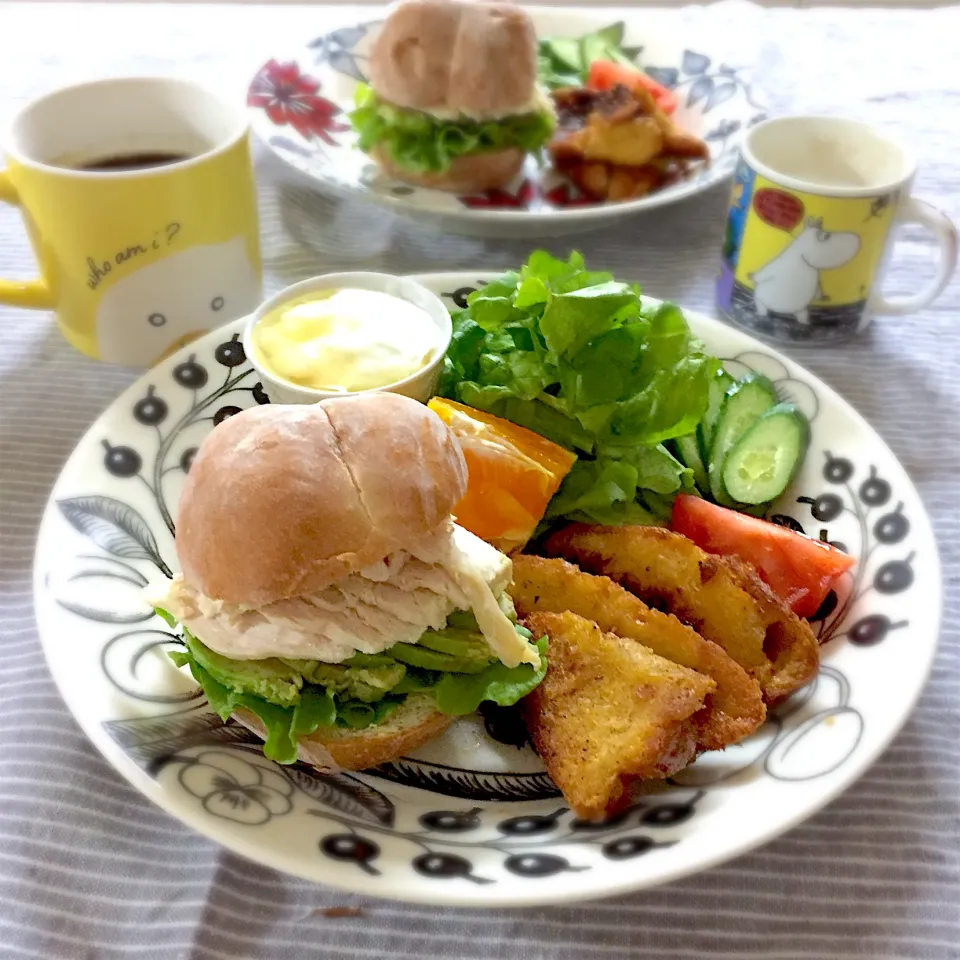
[[293, 698], [282, 724], [458, 694], [571, 320], [581, 359], [168, 618], [422, 143], [357, 715]]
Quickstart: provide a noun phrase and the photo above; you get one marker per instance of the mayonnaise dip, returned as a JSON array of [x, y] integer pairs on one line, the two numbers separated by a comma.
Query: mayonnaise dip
[[346, 340]]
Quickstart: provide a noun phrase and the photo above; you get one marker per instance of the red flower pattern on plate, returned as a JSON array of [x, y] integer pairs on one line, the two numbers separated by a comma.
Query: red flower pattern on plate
[[562, 195], [291, 97], [565, 195], [525, 194]]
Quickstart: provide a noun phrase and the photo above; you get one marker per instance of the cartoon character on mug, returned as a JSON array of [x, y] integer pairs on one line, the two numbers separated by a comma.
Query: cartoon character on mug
[[799, 261], [179, 298], [790, 283]]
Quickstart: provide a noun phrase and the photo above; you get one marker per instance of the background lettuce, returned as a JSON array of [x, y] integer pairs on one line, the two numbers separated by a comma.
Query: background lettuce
[[422, 143], [577, 357]]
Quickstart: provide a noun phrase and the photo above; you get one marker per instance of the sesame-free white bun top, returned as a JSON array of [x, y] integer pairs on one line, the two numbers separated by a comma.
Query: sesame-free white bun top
[[476, 59], [282, 501]]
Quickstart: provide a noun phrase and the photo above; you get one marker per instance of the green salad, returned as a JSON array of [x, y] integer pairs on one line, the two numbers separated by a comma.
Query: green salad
[[293, 698], [422, 143], [581, 359], [565, 61]]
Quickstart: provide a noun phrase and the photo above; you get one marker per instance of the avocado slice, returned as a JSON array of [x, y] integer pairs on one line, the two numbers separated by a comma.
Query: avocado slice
[[270, 679]]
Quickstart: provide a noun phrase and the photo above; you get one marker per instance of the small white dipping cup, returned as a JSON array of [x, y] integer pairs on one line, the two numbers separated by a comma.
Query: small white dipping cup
[[420, 385]]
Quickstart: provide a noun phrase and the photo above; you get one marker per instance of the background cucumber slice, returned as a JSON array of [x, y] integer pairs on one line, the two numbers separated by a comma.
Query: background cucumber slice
[[708, 424], [765, 459], [688, 453], [743, 404]]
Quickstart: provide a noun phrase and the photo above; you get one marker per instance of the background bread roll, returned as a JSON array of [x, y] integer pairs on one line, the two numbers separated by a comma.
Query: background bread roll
[[478, 59], [470, 174]]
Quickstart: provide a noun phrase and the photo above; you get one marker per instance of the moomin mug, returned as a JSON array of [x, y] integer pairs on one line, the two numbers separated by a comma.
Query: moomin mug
[[810, 229]]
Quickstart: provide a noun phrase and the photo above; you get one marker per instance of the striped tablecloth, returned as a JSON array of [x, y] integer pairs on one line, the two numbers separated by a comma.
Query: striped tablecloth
[[89, 869]]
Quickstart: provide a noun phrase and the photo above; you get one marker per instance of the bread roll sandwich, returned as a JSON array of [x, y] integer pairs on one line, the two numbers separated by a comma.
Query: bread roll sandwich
[[453, 101], [327, 600]]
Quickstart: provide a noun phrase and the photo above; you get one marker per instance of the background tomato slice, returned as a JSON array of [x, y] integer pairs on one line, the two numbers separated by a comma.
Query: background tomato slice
[[799, 569], [605, 75]]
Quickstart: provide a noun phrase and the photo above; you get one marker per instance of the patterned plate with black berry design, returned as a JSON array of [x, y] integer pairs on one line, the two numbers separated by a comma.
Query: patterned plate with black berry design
[[300, 98], [471, 818]]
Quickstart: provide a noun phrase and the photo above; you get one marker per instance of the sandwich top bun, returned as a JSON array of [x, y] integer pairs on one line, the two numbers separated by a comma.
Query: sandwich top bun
[[478, 59], [283, 500]]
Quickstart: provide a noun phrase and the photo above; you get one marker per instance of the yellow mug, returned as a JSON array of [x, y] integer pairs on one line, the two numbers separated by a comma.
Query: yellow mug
[[810, 230], [139, 200]]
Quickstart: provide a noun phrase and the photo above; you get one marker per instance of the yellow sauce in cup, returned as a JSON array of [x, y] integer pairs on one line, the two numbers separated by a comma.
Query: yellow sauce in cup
[[345, 340]]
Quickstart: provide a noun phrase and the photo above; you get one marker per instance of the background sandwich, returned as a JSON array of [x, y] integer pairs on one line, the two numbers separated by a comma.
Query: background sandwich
[[453, 101], [327, 599]]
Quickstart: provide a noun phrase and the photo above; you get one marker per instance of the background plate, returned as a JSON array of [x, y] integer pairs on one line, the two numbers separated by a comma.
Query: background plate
[[300, 97]]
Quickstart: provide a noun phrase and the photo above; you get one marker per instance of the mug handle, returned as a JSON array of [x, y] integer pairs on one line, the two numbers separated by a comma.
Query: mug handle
[[21, 293], [940, 225]]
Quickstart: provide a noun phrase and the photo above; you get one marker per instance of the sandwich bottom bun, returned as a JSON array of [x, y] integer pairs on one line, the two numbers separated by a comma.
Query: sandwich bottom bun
[[473, 173], [408, 727]]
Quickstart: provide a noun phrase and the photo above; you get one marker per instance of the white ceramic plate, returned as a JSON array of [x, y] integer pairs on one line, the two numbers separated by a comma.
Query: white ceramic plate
[[472, 818], [300, 97]]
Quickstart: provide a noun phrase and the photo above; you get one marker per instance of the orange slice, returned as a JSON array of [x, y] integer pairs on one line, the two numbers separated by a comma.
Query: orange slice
[[513, 473]]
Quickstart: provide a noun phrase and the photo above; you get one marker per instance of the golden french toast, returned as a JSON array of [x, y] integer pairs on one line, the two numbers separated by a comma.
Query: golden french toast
[[609, 711], [732, 711], [722, 598], [618, 144]]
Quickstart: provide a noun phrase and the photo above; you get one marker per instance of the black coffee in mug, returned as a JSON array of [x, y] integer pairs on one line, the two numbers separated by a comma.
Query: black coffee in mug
[[129, 161]]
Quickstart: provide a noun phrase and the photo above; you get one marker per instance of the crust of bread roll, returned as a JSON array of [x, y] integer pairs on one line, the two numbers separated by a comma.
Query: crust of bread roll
[[408, 727], [478, 59], [282, 501], [473, 173]]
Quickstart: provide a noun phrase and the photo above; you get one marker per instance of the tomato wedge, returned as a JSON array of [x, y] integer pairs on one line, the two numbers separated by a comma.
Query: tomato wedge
[[512, 474], [605, 75], [799, 570]]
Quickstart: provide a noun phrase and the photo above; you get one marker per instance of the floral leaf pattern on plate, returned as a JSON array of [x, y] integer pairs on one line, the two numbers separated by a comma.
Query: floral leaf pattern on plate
[[235, 788], [665, 76], [720, 94], [700, 89], [103, 616], [343, 793], [113, 526], [695, 63]]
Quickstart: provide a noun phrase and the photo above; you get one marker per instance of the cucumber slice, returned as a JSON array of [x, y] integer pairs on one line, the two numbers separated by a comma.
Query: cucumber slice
[[765, 459], [568, 51], [593, 47], [708, 424], [743, 404], [612, 36], [688, 453]]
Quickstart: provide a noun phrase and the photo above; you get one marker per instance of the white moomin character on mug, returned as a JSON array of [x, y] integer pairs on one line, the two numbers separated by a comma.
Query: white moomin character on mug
[[142, 315], [790, 282]]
